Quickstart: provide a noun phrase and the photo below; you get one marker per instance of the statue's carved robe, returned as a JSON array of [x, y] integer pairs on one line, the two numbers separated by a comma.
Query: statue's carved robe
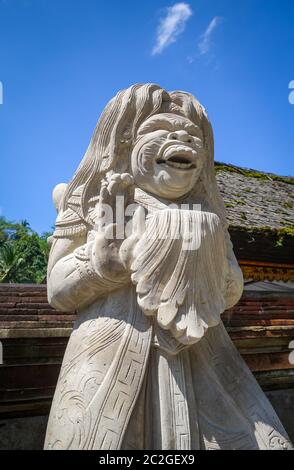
[[130, 381]]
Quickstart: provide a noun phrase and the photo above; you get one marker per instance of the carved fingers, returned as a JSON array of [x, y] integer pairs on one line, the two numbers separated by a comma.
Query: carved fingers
[[105, 253], [118, 183], [128, 246], [115, 185], [109, 229]]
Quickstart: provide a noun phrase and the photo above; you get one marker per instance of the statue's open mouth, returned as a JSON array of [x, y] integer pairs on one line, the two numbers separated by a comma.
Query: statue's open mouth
[[178, 156]]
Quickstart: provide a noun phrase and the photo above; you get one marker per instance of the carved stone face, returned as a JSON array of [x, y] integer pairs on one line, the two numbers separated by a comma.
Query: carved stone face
[[168, 155]]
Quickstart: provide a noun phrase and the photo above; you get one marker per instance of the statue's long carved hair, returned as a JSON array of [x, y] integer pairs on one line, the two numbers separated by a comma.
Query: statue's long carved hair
[[112, 142]]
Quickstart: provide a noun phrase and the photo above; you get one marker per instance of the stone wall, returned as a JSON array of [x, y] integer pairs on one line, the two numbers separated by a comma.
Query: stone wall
[[34, 338]]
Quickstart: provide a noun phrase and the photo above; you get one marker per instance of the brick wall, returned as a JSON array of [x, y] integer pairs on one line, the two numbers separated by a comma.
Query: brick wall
[[34, 338]]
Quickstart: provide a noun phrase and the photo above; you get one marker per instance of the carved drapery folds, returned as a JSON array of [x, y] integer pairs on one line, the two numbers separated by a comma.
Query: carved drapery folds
[[149, 364]]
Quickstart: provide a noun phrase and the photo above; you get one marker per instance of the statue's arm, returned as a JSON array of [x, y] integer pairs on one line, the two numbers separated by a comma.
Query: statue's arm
[[235, 281], [76, 275], [85, 265]]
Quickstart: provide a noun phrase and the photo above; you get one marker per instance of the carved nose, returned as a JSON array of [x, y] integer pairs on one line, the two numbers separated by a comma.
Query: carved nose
[[182, 136]]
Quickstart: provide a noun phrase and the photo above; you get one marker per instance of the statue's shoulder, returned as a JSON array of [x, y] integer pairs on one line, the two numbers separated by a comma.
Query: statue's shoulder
[[70, 222]]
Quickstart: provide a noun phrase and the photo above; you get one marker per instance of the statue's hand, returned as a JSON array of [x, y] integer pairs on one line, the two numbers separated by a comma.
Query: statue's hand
[[106, 253], [115, 194], [108, 235]]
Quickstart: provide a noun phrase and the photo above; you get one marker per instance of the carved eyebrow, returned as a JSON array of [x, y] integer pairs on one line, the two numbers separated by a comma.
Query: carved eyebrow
[[171, 124]]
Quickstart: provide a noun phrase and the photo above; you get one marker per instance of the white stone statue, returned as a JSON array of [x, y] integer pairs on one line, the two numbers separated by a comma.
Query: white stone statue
[[149, 364]]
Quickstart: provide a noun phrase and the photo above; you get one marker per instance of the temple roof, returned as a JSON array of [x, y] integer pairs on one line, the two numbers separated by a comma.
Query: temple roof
[[256, 199], [260, 212]]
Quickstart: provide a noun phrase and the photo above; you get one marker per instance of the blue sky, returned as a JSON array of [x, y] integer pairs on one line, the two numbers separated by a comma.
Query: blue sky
[[62, 60]]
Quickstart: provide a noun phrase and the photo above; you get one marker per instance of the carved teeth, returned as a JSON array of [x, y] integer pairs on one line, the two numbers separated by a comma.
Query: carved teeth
[[179, 165], [178, 156], [177, 149]]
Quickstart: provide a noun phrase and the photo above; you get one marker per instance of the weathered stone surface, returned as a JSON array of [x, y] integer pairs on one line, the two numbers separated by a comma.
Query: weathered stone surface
[[23, 433], [249, 323], [149, 363], [283, 402], [14, 433]]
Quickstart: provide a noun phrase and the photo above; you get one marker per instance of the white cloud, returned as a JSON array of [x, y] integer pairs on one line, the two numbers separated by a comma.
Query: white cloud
[[171, 26], [205, 40]]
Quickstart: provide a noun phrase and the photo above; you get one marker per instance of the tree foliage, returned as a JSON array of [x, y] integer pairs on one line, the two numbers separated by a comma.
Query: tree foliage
[[23, 253]]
